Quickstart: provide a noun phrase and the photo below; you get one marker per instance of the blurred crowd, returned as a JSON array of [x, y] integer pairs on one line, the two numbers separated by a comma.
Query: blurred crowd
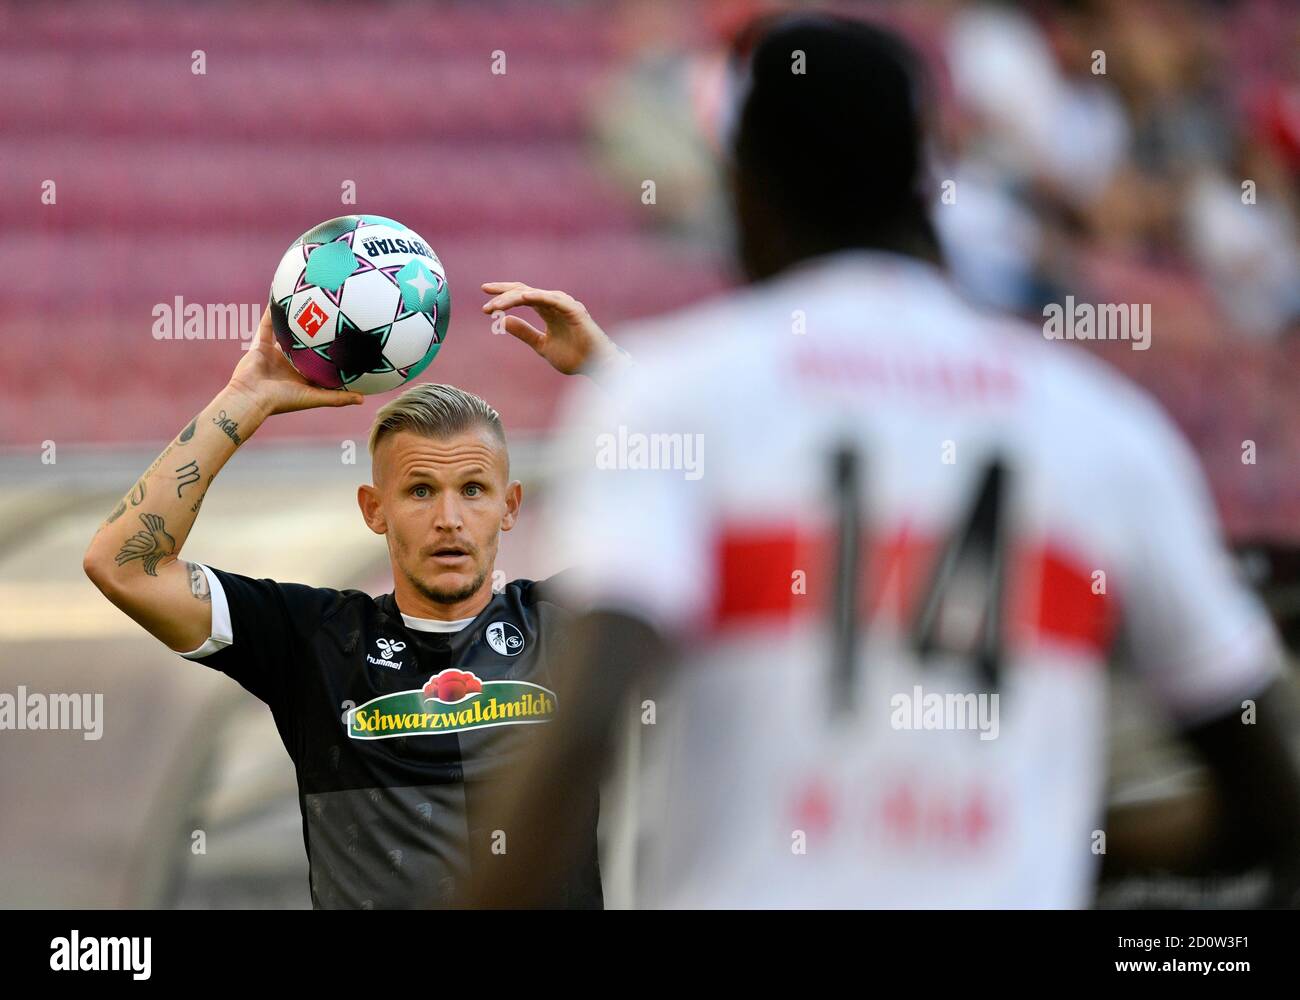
[[1162, 134], [1102, 143]]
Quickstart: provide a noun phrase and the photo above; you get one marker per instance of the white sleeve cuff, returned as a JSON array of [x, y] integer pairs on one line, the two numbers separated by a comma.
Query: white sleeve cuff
[[222, 631]]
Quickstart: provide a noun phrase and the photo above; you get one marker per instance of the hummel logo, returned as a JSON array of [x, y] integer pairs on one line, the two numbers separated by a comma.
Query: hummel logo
[[387, 647]]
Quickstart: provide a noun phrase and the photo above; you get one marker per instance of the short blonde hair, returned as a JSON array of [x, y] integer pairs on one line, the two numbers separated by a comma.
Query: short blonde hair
[[435, 411]]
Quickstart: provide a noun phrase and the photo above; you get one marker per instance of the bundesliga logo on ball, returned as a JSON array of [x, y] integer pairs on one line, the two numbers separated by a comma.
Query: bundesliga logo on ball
[[360, 303]]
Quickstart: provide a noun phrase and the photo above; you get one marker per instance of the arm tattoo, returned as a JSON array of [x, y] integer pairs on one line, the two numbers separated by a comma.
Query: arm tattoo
[[189, 431], [228, 427], [187, 474], [199, 583], [199, 502], [156, 462], [148, 545], [136, 497]]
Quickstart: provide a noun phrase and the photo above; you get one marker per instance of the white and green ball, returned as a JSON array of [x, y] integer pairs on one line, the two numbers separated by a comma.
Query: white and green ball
[[360, 303]]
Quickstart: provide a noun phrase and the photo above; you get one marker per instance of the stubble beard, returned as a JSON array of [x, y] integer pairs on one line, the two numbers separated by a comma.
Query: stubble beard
[[443, 596]]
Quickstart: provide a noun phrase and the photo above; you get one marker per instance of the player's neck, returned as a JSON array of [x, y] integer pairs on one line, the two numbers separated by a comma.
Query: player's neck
[[415, 604]]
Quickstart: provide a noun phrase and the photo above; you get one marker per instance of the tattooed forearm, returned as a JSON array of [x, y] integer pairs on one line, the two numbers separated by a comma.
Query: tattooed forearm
[[172, 493], [156, 462], [149, 545], [199, 583], [228, 427], [187, 475], [199, 502], [136, 497]]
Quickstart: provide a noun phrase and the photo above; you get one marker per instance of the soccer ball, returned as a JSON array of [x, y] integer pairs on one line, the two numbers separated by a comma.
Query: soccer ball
[[360, 303]]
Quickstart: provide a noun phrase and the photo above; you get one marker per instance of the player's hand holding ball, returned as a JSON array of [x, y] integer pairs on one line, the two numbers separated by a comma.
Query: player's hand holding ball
[[266, 378]]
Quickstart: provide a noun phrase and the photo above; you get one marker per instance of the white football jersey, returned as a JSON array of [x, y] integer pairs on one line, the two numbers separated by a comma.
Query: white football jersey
[[894, 539]]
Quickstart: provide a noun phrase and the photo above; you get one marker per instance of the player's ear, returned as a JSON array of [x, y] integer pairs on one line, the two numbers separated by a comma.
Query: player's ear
[[371, 509], [514, 498]]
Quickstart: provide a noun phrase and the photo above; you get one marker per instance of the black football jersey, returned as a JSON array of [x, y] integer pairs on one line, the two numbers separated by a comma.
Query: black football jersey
[[395, 733]]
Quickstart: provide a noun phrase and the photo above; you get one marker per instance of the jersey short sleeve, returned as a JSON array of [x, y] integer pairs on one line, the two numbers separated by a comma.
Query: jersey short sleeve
[[221, 634], [261, 632], [1199, 635], [634, 536]]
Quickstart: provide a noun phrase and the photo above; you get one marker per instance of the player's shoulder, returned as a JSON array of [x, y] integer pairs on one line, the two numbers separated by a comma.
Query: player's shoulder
[[321, 603], [555, 590], [683, 359], [1077, 392], [330, 602]]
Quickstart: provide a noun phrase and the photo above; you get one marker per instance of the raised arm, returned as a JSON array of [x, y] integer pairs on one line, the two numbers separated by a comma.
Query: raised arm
[[135, 557]]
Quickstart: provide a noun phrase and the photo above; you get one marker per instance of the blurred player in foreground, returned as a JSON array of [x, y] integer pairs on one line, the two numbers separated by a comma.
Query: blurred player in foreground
[[889, 543]]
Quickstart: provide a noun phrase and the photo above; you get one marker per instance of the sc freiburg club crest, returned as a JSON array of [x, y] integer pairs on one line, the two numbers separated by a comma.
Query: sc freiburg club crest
[[505, 638]]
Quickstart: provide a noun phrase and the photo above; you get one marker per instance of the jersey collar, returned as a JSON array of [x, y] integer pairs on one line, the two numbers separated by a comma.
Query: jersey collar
[[434, 625], [388, 605]]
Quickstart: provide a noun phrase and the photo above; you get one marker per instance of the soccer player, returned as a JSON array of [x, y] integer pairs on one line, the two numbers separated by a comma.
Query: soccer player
[[889, 543], [396, 711]]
